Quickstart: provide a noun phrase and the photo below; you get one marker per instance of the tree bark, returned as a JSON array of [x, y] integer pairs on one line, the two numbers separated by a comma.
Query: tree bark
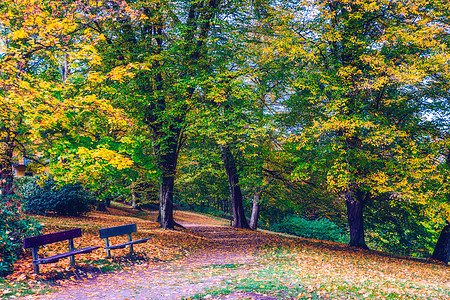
[[239, 220], [6, 172], [168, 132], [255, 210], [134, 195], [355, 205], [257, 204], [442, 249], [166, 202], [134, 200], [167, 157]]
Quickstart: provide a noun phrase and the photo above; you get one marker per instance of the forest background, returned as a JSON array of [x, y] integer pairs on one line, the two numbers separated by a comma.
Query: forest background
[[288, 110]]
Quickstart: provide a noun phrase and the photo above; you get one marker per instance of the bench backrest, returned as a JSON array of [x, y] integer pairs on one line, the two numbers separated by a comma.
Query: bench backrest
[[40, 240], [119, 230]]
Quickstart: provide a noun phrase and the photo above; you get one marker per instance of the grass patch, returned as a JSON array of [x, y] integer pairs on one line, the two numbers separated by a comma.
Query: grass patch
[[312, 272], [10, 290], [224, 266], [212, 293]]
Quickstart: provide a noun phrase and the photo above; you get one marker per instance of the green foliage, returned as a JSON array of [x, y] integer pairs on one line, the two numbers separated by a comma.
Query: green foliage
[[207, 208], [321, 229], [44, 195], [405, 228], [202, 184], [14, 226]]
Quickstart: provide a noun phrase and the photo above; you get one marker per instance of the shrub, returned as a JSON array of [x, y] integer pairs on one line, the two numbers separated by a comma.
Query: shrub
[[401, 227], [14, 226], [321, 229], [44, 195]]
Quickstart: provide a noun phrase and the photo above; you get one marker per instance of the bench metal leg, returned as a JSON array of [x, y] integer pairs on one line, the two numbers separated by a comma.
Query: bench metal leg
[[131, 245], [35, 257], [72, 257], [108, 252]]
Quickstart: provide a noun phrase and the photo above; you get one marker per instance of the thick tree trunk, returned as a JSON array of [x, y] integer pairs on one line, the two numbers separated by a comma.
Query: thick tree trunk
[[239, 220], [166, 202], [355, 204], [167, 157], [255, 210], [442, 249], [167, 119], [167, 160], [6, 172]]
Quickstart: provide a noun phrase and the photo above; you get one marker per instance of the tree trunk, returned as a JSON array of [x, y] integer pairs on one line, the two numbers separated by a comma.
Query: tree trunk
[[6, 172], [442, 249], [167, 159], [239, 220], [134, 200], [257, 204], [255, 210], [166, 202], [355, 204], [101, 206]]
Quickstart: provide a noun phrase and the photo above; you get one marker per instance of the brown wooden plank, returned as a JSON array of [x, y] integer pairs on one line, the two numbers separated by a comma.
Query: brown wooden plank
[[40, 240]]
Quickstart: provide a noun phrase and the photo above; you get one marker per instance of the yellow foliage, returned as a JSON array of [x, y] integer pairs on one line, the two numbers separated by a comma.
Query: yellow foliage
[[105, 156]]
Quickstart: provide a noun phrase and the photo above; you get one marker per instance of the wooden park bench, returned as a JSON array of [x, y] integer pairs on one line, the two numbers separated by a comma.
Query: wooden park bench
[[36, 241], [106, 233]]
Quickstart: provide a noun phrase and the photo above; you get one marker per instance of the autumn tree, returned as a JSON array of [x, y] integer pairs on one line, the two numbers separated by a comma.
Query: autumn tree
[[30, 34], [438, 101], [358, 64], [155, 55], [231, 107], [44, 111]]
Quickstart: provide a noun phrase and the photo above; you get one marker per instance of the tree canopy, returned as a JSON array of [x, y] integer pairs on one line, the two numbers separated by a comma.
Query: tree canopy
[[324, 108]]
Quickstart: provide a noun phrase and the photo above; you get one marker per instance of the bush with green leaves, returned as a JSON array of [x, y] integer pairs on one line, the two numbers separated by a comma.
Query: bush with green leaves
[[14, 226], [402, 227], [321, 229], [44, 195]]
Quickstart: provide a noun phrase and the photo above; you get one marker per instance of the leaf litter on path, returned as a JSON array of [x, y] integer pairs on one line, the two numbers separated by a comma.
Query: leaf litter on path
[[172, 280], [226, 263]]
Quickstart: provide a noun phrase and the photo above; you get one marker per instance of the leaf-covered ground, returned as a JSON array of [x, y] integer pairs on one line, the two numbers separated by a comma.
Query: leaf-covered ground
[[209, 260]]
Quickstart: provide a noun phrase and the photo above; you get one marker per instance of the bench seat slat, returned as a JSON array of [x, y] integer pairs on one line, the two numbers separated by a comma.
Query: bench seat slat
[[55, 258], [123, 245]]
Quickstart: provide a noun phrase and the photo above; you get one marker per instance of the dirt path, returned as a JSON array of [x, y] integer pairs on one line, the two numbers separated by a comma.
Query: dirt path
[[203, 270]]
